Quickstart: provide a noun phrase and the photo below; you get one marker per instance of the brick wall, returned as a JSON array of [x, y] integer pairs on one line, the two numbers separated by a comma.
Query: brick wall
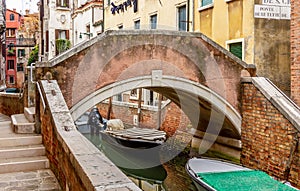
[[172, 116], [295, 51], [76, 162], [267, 137], [11, 104], [59, 159]]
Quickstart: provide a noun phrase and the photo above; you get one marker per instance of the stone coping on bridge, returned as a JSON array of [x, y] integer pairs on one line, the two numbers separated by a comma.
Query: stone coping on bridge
[[282, 102], [85, 44], [90, 165]]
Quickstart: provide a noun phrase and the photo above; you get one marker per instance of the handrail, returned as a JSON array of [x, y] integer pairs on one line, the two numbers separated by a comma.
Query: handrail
[[42, 97], [283, 94]]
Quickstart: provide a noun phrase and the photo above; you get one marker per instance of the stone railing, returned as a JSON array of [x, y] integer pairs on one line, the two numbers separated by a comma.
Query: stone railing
[[75, 161]]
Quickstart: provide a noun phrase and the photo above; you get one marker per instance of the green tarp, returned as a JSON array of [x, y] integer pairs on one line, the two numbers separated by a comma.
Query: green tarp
[[251, 180]]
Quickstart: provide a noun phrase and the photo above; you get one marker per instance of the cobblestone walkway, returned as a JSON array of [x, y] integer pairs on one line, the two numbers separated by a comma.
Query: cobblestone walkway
[[40, 180]]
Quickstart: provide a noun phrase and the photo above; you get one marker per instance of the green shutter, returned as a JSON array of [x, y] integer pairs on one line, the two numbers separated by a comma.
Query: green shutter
[[236, 49], [206, 2]]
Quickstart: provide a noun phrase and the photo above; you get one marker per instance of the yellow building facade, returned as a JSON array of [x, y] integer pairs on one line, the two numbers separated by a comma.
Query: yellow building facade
[[226, 22], [253, 30], [148, 14]]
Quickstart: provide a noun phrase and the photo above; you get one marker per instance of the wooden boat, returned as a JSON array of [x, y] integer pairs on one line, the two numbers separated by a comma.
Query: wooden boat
[[133, 148], [216, 175]]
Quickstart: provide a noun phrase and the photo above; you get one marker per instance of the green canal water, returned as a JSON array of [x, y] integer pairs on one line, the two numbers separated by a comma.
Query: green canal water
[[170, 176]]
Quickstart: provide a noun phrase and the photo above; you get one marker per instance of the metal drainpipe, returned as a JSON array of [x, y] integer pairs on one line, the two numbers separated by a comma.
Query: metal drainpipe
[[188, 16], [103, 15]]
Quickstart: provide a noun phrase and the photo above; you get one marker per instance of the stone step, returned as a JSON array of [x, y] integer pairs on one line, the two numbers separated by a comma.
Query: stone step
[[20, 124], [29, 113], [23, 164], [22, 151], [19, 140], [42, 180]]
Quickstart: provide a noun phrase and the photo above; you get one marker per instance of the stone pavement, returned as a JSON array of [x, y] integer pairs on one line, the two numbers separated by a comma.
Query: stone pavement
[[40, 180]]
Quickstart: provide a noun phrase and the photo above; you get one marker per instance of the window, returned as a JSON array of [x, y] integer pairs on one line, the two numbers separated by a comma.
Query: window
[[88, 28], [10, 32], [134, 94], [153, 21], [11, 79], [137, 24], [10, 65], [182, 21], [20, 67], [206, 2], [62, 42], [118, 97], [62, 3], [21, 53], [236, 47], [61, 34], [12, 17]]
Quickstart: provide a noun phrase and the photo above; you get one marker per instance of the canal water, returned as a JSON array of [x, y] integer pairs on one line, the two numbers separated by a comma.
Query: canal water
[[170, 176]]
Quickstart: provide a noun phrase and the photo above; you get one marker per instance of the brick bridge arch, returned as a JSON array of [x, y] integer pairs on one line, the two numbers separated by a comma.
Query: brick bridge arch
[[117, 57]]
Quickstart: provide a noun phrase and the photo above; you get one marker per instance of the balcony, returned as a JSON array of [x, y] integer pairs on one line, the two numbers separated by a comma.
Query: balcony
[[21, 42], [21, 59]]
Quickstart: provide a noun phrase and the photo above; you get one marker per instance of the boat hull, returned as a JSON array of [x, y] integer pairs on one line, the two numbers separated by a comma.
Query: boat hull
[[130, 154], [213, 174]]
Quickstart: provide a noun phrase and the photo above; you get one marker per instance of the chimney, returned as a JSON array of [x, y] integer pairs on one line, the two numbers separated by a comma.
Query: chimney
[[14, 9], [27, 11]]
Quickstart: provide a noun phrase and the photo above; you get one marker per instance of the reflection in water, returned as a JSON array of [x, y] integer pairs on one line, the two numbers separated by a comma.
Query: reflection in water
[[169, 177], [149, 179]]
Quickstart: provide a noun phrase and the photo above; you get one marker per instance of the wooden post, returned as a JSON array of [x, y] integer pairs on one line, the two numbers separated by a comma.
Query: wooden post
[[159, 111], [139, 107], [109, 108]]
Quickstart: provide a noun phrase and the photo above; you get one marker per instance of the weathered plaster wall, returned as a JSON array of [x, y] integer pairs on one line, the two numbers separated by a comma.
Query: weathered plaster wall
[[272, 51], [11, 103], [267, 137], [295, 50]]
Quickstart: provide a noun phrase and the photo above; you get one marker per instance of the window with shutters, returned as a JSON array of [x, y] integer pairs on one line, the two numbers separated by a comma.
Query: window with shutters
[[236, 47], [62, 42], [10, 65]]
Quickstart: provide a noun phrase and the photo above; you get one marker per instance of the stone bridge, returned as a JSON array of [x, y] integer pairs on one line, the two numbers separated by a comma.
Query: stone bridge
[[218, 92], [201, 77]]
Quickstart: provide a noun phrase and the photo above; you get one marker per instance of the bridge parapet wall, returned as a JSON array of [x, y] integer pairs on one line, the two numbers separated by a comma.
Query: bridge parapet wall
[[11, 103], [270, 131], [76, 162], [119, 55]]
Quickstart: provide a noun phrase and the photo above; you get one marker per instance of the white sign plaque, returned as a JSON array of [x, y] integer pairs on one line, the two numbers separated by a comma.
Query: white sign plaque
[[272, 12], [266, 12], [285, 3]]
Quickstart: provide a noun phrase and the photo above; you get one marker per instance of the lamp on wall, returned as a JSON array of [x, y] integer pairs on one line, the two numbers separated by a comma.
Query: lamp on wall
[[85, 33]]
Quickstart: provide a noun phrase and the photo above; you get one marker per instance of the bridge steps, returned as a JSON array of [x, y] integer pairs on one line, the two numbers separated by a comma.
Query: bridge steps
[[21, 152], [24, 123]]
